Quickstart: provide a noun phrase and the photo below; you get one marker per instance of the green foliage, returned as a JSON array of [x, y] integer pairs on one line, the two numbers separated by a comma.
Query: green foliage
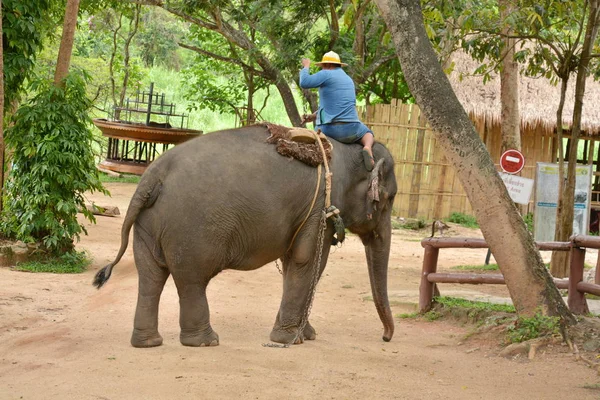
[[465, 220], [52, 166], [25, 23], [527, 328], [158, 37], [73, 262], [528, 218], [489, 267], [452, 302], [432, 316], [414, 224], [122, 178], [412, 315]]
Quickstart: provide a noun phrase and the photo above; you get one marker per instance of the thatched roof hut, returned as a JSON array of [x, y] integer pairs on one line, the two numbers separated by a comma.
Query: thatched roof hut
[[539, 99]]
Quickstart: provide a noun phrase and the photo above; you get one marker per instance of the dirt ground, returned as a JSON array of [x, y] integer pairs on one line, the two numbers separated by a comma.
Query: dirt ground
[[60, 338]]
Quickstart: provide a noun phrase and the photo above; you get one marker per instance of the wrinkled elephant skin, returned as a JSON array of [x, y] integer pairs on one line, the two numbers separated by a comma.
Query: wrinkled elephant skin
[[228, 200]]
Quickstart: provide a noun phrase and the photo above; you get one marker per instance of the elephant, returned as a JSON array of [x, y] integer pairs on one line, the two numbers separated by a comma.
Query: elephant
[[228, 200]]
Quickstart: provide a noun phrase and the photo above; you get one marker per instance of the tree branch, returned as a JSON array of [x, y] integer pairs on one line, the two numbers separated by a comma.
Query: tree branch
[[196, 21], [235, 61]]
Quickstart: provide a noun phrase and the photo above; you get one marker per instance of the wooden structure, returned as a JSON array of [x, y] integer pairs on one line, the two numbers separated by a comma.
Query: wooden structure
[[427, 184], [428, 187], [576, 286], [135, 139]]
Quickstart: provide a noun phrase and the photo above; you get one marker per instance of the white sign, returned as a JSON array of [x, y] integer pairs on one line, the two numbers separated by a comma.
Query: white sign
[[519, 188], [546, 199]]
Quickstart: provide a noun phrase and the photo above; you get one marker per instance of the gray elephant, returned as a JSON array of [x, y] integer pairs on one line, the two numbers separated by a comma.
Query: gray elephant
[[228, 200]]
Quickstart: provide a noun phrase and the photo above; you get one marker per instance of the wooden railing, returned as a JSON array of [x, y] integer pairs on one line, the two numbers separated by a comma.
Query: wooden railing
[[576, 286]]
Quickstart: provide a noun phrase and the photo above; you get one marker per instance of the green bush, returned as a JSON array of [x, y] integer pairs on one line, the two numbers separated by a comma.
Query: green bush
[[530, 328], [52, 166], [465, 220]]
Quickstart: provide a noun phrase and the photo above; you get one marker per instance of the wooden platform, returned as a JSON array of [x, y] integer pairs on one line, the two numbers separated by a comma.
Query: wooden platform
[[144, 133]]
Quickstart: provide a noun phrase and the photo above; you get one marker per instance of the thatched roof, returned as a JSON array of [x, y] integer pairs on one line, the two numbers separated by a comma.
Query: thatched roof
[[538, 97]]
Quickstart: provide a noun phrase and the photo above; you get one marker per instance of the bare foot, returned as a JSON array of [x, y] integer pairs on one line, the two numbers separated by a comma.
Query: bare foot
[[368, 158]]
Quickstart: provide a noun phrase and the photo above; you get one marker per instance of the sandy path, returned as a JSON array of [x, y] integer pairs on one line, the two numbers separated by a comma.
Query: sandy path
[[63, 339]]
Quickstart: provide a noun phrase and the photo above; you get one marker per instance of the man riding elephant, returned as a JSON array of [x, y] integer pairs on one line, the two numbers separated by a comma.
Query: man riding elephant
[[337, 117]]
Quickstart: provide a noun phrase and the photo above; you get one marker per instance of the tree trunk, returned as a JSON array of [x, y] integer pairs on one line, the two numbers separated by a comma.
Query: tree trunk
[[559, 266], [288, 101], [559, 258], [529, 283], [66, 43], [127, 55], [509, 88], [1, 113]]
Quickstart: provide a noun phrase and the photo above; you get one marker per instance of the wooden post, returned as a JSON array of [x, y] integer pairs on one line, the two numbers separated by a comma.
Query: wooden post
[[426, 290], [576, 300], [597, 275]]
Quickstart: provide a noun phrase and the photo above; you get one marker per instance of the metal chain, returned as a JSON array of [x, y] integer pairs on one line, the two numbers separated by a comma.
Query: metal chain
[[315, 278], [313, 286], [278, 267]]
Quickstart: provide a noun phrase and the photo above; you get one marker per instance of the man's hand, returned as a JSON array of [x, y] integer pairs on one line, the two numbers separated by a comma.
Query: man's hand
[[308, 118], [305, 62]]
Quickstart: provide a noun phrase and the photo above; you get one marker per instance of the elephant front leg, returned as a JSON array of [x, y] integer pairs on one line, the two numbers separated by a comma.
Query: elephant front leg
[[283, 334], [194, 317], [299, 285]]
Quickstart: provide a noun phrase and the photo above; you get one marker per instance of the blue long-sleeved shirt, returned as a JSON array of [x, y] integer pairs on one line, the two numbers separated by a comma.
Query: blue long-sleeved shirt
[[337, 96]]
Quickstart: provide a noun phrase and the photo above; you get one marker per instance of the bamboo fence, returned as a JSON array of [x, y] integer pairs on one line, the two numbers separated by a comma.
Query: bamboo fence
[[428, 187]]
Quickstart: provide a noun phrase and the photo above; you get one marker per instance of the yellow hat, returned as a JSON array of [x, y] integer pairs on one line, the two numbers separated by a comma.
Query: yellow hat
[[331, 57]]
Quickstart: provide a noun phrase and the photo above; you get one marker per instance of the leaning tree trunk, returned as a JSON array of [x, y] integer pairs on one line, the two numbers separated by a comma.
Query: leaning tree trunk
[[531, 287], [66, 43]]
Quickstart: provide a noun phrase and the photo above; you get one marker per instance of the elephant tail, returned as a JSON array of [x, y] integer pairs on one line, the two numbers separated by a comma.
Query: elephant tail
[[146, 194]]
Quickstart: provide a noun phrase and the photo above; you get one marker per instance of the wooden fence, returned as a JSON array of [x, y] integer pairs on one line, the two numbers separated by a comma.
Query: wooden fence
[[427, 184]]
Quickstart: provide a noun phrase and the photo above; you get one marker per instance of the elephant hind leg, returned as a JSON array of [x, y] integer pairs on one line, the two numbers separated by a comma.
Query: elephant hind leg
[[145, 325], [152, 276], [194, 317]]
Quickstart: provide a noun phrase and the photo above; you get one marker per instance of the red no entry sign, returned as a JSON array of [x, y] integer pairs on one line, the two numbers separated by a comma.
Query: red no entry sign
[[512, 161]]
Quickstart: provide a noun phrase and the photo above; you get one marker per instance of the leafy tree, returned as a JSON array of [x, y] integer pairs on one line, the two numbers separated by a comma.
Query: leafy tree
[[225, 81], [25, 25], [529, 283], [558, 35], [53, 166], [158, 38], [266, 40]]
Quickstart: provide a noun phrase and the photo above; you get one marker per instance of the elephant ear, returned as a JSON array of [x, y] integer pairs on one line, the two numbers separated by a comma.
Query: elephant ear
[[375, 188]]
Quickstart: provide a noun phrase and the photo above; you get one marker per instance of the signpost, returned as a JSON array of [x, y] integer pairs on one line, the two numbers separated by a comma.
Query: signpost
[[512, 161], [519, 188]]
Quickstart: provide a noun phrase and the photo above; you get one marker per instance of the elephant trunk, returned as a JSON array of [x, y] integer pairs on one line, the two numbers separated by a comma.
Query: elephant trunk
[[378, 252]]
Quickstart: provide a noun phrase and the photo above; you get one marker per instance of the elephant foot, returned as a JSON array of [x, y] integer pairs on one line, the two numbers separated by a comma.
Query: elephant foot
[[286, 336], [309, 332], [199, 339], [141, 339], [290, 335]]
